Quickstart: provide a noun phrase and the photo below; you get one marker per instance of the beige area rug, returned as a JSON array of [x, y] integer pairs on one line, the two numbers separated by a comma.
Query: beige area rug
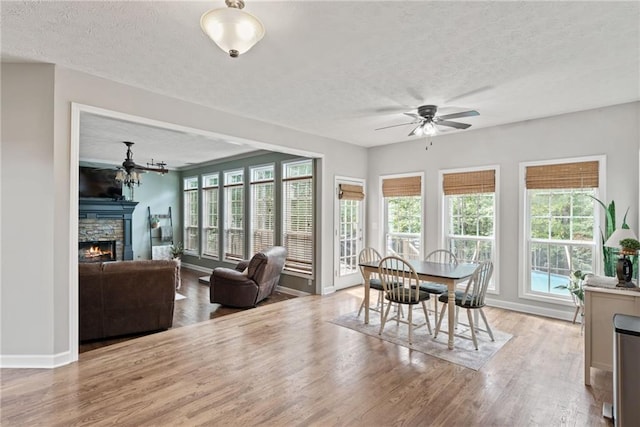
[[463, 354]]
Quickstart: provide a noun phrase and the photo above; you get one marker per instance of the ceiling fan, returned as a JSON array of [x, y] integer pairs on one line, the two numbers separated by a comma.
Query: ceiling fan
[[427, 120], [129, 173], [129, 165]]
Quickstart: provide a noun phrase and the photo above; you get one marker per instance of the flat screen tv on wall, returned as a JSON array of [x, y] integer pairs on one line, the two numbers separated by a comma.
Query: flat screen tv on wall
[[100, 183]]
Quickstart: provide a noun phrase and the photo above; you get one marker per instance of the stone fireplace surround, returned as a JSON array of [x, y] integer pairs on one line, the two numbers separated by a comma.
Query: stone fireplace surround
[[106, 219]]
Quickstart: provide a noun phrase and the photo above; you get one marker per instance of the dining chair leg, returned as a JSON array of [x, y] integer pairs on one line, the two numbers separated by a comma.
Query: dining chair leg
[[435, 309], [360, 309], [486, 324], [473, 329], [444, 307], [410, 326], [426, 316], [455, 322], [384, 318]]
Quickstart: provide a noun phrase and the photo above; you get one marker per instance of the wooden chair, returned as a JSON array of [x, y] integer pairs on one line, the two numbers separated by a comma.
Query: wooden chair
[[445, 257], [370, 255], [402, 286], [472, 299]]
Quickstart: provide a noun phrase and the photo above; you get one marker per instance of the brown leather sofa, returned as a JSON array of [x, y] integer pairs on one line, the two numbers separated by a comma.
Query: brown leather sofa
[[250, 282], [126, 297]]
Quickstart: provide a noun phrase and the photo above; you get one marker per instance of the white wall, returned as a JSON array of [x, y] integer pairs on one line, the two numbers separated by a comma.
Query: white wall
[[50, 330], [611, 131]]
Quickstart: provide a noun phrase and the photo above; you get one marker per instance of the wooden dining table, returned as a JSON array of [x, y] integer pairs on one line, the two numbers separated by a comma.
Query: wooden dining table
[[446, 274]]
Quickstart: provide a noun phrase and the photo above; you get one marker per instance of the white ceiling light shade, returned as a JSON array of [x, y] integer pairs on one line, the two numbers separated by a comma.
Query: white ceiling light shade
[[429, 129], [232, 29]]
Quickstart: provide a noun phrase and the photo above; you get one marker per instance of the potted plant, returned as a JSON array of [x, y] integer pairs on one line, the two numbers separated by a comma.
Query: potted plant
[[177, 250], [154, 221], [577, 292], [629, 246]]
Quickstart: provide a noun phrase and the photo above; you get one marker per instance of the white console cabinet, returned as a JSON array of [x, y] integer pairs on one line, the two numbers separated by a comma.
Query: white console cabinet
[[600, 304]]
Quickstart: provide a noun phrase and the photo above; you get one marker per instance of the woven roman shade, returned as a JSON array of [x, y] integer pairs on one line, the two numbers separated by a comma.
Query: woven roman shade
[[469, 182], [399, 187], [351, 192], [563, 175]]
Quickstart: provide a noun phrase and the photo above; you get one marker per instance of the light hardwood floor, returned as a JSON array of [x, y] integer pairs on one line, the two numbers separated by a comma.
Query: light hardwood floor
[[285, 364]]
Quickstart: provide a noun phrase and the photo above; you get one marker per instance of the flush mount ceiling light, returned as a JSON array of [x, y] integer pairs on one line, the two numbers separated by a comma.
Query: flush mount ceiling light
[[232, 29]]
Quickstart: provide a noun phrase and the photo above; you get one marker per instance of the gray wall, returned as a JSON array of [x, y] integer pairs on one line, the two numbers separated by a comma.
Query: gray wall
[[611, 131], [292, 281], [41, 333], [158, 192], [27, 294]]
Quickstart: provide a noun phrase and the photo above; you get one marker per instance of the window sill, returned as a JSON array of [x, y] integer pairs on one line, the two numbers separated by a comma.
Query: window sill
[[549, 299]]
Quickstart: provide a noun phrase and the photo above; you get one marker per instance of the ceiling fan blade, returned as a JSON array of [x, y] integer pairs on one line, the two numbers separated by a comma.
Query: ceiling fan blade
[[456, 125], [414, 115], [393, 126], [458, 115]]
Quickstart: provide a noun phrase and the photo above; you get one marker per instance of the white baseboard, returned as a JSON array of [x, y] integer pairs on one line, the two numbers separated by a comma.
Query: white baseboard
[[197, 268], [329, 290], [290, 291], [529, 309], [30, 361]]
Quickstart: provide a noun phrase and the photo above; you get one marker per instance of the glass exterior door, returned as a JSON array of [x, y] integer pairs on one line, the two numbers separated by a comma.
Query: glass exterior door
[[349, 241]]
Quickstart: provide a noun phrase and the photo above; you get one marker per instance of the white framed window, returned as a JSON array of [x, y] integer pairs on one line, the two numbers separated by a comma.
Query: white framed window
[[234, 215], [402, 213], [559, 225], [210, 217], [190, 213], [262, 207], [349, 235], [297, 215], [470, 215]]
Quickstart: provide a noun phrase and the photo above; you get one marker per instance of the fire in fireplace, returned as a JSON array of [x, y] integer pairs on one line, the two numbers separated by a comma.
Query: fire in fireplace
[[97, 251]]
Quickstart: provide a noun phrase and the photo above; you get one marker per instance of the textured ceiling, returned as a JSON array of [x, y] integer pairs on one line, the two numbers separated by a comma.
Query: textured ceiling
[[343, 69], [101, 141]]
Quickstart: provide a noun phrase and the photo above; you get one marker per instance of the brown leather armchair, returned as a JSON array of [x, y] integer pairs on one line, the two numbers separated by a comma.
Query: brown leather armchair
[[250, 282]]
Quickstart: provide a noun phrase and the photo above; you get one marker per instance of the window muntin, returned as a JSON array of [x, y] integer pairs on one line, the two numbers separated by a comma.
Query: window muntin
[[262, 207], [297, 201], [190, 203], [559, 224], [234, 215], [470, 233], [210, 217], [561, 237], [402, 204], [403, 226], [349, 235]]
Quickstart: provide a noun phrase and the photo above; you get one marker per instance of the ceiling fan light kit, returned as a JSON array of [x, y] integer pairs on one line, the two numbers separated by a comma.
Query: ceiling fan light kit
[[129, 174], [232, 29]]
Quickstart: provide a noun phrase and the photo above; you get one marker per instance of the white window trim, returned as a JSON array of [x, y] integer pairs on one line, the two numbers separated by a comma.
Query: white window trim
[[204, 255], [226, 214], [336, 219], [382, 244], [251, 204], [523, 225], [443, 218], [184, 180], [315, 234]]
